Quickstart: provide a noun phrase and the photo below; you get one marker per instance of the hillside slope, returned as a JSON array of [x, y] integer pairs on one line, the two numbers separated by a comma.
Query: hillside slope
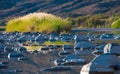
[[64, 8]]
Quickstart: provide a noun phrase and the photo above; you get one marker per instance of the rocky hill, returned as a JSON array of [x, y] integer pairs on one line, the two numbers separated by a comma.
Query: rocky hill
[[64, 8]]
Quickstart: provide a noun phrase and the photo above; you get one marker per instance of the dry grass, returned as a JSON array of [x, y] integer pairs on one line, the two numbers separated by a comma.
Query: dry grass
[[41, 22], [57, 43]]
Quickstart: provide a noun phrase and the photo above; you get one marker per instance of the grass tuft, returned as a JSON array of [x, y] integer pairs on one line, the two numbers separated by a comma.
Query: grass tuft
[[38, 22], [57, 43]]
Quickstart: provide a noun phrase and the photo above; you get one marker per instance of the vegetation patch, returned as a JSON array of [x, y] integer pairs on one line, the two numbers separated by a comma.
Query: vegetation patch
[[32, 48], [48, 23], [116, 24], [57, 43], [94, 21], [39, 22]]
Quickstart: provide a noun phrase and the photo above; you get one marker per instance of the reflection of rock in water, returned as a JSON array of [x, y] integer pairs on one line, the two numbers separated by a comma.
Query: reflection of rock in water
[[83, 48], [112, 48], [83, 52]]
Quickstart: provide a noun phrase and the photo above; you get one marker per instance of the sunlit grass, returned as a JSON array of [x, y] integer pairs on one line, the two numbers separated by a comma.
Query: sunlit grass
[[41, 22], [116, 24], [31, 48], [37, 47], [57, 43]]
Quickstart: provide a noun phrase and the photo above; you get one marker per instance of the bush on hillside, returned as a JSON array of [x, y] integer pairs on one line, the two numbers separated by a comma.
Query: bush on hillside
[[116, 24], [95, 21], [39, 22], [78, 21]]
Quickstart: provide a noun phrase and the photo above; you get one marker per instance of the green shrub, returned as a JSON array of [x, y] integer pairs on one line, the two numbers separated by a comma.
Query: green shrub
[[111, 19], [95, 21], [41, 22], [116, 24], [78, 20]]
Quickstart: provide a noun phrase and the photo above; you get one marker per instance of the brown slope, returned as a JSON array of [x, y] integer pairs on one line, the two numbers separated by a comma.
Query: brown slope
[[64, 8]]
